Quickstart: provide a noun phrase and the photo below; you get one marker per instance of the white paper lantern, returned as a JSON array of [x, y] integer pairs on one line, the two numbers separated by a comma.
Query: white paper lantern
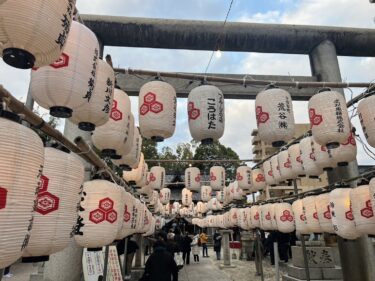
[[68, 84], [129, 217], [296, 160], [186, 197], [268, 175], [308, 158], [363, 211], [247, 215], [157, 177], [324, 212], [299, 217], [311, 215], [214, 205], [284, 217], [285, 166], [21, 163], [34, 33], [220, 221], [342, 215], [227, 220], [220, 196], [242, 219], [274, 114], [193, 179], [137, 176], [157, 110], [56, 209], [151, 229], [366, 116], [233, 215], [96, 111], [175, 208], [258, 180], [154, 198], [323, 156], [206, 113], [147, 220], [272, 209], [243, 177], [265, 217], [200, 207], [141, 216], [372, 192], [276, 169], [329, 118], [206, 193], [113, 137], [100, 214], [346, 152], [217, 178], [145, 190], [165, 195], [236, 191], [255, 216], [131, 160]]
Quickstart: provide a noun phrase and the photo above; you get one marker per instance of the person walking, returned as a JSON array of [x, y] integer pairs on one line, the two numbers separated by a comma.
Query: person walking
[[186, 248], [130, 252], [204, 239], [217, 244], [161, 265], [195, 247]]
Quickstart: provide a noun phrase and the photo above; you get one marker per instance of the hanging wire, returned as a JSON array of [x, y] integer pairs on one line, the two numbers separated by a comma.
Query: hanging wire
[[220, 37]]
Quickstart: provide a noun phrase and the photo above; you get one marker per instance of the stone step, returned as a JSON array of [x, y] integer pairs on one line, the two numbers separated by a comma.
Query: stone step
[[317, 257], [332, 273], [289, 278], [300, 272]]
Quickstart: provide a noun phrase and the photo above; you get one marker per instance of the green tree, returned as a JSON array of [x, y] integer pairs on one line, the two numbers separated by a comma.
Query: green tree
[[52, 121], [216, 151], [183, 152], [149, 149]]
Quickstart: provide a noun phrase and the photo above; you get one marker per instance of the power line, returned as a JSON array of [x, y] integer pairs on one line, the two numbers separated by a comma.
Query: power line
[[220, 37]]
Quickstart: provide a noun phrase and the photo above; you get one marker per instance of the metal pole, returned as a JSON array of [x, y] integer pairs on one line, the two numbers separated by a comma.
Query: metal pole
[[260, 255], [276, 254], [105, 269], [1, 273], [302, 238], [124, 272], [357, 256]]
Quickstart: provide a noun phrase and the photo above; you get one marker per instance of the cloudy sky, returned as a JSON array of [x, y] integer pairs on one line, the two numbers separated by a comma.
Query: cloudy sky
[[240, 116]]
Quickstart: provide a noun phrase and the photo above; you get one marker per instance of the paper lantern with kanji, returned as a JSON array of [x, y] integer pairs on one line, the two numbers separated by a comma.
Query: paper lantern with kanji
[[274, 115], [324, 212], [311, 215], [21, 163], [214, 205], [265, 217], [131, 160], [323, 156], [99, 215], [193, 179], [243, 222], [154, 198], [206, 191], [366, 116], [258, 180], [96, 111], [276, 169], [137, 176], [342, 214], [129, 217], [255, 216], [284, 217], [69, 83], [243, 177], [272, 210], [220, 221], [299, 217], [113, 137], [206, 113], [157, 110], [151, 229], [268, 175], [296, 160], [233, 216], [236, 191], [217, 178], [346, 152], [362, 210], [329, 118], [308, 158], [285, 166], [34, 33], [56, 209], [220, 196], [175, 208], [157, 177], [165, 195], [200, 207], [147, 220], [186, 197]]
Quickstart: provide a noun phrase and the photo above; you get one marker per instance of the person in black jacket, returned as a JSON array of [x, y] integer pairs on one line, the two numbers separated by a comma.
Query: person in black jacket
[[160, 266], [186, 248], [217, 244]]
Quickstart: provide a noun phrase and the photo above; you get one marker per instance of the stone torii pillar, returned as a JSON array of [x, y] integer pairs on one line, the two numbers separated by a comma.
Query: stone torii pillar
[[226, 249], [357, 256]]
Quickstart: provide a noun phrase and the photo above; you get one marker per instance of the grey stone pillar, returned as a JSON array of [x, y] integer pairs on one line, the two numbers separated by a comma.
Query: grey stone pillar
[[226, 249], [246, 245], [357, 257], [140, 251]]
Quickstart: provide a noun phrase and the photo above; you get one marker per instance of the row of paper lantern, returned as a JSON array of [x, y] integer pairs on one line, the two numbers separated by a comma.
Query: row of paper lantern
[[328, 114], [347, 212]]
